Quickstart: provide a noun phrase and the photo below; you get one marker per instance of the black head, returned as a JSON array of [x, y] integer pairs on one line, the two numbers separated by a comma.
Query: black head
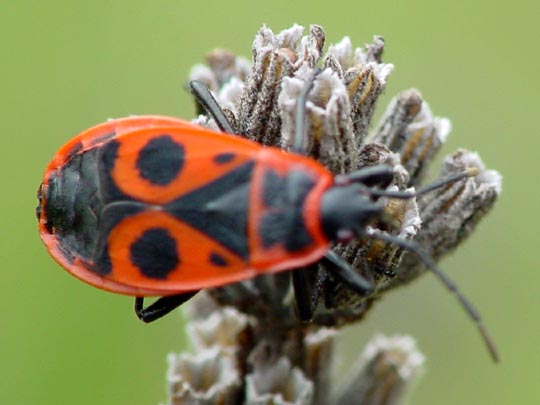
[[347, 210]]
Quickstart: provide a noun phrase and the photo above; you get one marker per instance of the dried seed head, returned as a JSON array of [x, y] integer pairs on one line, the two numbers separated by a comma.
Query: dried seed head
[[451, 213], [319, 346], [339, 109], [384, 372], [289, 360], [364, 76], [274, 380], [222, 328], [209, 377], [222, 67], [409, 128], [274, 57], [328, 121]]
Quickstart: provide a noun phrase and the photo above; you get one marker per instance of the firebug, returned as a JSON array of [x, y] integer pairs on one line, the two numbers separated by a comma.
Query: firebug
[[157, 206]]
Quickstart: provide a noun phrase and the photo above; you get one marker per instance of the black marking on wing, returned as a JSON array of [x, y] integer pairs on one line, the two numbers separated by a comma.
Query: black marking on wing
[[109, 191], [224, 157], [111, 215], [161, 160], [220, 209], [217, 260], [154, 253]]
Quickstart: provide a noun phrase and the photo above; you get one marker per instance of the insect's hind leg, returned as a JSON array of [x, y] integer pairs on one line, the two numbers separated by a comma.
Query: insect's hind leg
[[344, 273], [303, 295], [206, 100], [160, 307]]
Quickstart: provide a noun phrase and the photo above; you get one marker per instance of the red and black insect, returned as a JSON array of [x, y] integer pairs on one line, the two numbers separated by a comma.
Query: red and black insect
[[157, 206]]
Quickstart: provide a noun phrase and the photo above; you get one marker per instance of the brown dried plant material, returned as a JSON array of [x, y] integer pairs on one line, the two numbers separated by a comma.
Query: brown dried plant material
[[262, 353], [382, 374]]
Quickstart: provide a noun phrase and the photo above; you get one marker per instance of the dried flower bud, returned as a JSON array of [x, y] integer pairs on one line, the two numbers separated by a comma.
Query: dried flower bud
[[328, 122], [364, 75], [451, 213], [209, 377], [383, 374], [409, 128], [274, 57], [275, 381], [222, 328], [276, 358], [318, 359]]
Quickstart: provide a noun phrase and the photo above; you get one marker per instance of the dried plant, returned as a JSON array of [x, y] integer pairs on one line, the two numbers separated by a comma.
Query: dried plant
[[249, 346]]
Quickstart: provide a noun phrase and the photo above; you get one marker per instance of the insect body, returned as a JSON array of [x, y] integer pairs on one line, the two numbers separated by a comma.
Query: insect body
[[156, 206]]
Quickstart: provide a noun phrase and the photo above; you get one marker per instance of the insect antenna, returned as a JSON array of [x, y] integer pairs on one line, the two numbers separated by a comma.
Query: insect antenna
[[449, 284], [353, 177], [469, 172]]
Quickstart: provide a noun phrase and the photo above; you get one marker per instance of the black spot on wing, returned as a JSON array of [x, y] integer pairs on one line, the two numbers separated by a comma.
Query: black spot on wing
[[217, 260], [224, 157], [161, 160], [154, 253]]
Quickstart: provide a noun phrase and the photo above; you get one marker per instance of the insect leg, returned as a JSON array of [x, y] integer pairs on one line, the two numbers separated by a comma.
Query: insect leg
[[449, 284], [299, 145], [344, 273], [204, 97], [302, 292], [160, 307]]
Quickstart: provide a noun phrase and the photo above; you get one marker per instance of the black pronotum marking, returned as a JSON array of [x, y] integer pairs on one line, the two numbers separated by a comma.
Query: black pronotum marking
[[161, 160], [155, 253], [218, 260], [273, 190], [224, 157], [283, 221]]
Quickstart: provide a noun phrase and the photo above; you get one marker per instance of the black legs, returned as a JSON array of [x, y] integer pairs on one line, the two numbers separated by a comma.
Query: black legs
[[303, 292], [160, 307], [210, 105], [340, 270]]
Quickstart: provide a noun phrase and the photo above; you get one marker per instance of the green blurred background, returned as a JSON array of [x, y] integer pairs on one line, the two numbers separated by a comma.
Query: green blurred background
[[68, 65]]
